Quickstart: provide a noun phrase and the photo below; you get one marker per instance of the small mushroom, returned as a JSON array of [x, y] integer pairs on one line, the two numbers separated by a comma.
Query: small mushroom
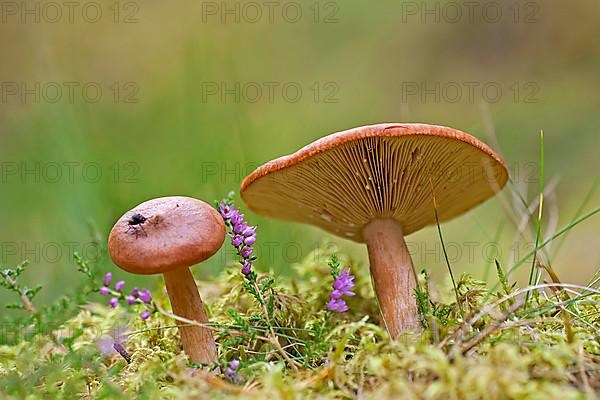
[[375, 185], [166, 236]]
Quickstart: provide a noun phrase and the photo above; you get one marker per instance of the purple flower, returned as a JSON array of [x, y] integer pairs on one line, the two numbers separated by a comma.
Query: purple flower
[[250, 231], [236, 218], [119, 286], [246, 252], [114, 342], [342, 286], [113, 302], [240, 227], [130, 299], [247, 268], [104, 291], [145, 296], [337, 305], [231, 372], [121, 350], [226, 211], [145, 315], [107, 278], [237, 240], [343, 283], [242, 235], [135, 293]]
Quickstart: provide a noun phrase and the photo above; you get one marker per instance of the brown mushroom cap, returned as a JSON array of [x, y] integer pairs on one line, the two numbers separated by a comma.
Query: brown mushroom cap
[[179, 232], [343, 181]]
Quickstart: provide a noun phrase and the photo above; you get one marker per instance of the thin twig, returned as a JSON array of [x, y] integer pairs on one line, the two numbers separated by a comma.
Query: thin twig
[[274, 341], [491, 328]]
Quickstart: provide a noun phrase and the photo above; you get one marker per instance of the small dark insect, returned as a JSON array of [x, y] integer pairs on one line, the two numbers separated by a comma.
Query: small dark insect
[[135, 223]]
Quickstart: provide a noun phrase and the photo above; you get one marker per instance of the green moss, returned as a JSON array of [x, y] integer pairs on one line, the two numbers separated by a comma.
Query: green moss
[[504, 351]]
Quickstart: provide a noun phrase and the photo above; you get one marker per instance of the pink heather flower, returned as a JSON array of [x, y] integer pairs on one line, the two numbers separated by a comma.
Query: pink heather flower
[[145, 296], [246, 252], [113, 302], [130, 299], [119, 286], [250, 231], [240, 227], [342, 286], [145, 315], [231, 372], [247, 268], [242, 235], [226, 211], [337, 305], [104, 291], [107, 279], [114, 342], [236, 218], [236, 241]]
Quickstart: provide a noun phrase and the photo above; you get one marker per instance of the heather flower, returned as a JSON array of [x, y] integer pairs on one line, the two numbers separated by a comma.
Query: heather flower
[[250, 231], [114, 342], [107, 278], [242, 235], [246, 252], [131, 299], [337, 305], [145, 296], [236, 218], [240, 227], [113, 302], [231, 372], [342, 286], [236, 241], [119, 286], [226, 210], [247, 268]]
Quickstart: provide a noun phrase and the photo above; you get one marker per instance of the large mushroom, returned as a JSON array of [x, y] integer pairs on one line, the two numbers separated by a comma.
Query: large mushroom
[[166, 236], [375, 185]]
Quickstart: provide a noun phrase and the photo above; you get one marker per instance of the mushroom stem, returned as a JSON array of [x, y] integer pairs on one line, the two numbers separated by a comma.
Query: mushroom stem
[[198, 342], [392, 274]]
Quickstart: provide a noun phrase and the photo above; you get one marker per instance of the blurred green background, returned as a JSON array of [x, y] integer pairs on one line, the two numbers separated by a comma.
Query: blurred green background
[[167, 121]]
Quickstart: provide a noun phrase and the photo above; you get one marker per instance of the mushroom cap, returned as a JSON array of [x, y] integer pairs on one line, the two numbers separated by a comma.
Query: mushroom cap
[[178, 232], [344, 180]]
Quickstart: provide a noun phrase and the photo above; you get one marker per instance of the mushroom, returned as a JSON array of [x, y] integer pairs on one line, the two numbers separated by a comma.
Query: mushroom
[[168, 235], [375, 185]]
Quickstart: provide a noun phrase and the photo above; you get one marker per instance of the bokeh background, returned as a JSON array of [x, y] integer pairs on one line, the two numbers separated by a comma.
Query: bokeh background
[[164, 101]]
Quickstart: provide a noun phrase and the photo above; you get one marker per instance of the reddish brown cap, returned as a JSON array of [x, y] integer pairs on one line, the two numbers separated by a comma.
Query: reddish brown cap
[[343, 181], [178, 232]]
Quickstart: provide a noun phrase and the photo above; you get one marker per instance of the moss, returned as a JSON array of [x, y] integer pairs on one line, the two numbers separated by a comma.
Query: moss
[[508, 351]]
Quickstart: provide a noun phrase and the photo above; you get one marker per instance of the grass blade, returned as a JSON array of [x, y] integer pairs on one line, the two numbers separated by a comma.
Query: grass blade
[[437, 222], [538, 228]]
